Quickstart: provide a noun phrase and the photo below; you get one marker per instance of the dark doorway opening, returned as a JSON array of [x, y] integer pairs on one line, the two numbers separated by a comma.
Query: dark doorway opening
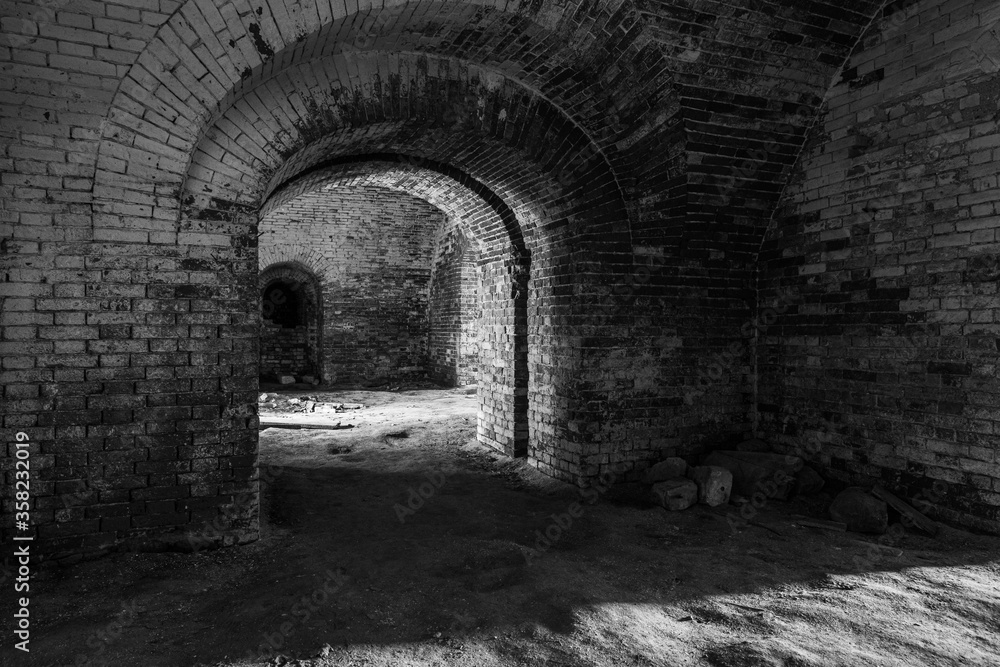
[[291, 328]]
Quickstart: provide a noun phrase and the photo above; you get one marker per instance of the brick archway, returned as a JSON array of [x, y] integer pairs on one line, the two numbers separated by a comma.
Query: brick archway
[[307, 336], [567, 212], [602, 125], [504, 271]]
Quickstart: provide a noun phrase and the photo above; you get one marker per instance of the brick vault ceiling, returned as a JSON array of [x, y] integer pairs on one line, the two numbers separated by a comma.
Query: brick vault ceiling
[[695, 108]]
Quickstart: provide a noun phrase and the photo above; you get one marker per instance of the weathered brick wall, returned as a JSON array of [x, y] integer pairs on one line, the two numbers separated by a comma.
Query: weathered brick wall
[[882, 266], [372, 251], [283, 351], [125, 359], [468, 319], [586, 142], [495, 122], [454, 309], [739, 84]]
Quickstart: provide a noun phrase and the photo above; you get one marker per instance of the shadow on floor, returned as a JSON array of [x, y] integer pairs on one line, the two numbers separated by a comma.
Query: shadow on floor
[[436, 548]]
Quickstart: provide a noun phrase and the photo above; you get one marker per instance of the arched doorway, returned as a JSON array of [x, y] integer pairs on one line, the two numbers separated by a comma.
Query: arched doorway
[[554, 208], [291, 334], [480, 251]]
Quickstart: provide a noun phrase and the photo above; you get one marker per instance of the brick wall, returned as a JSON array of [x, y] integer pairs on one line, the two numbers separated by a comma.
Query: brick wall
[[586, 144], [468, 320], [454, 309], [882, 270], [283, 351], [372, 252]]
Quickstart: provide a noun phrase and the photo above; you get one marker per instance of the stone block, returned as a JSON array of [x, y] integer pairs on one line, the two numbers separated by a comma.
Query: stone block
[[714, 484], [675, 494], [770, 474]]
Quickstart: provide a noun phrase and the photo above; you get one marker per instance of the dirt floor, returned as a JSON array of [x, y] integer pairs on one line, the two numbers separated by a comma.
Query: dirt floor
[[401, 541]]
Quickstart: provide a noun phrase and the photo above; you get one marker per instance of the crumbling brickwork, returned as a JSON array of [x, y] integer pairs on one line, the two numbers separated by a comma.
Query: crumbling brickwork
[[881, 267], [631, 174]]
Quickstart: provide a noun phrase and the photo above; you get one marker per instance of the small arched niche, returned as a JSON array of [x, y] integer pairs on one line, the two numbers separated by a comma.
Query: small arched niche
[[291, 336]]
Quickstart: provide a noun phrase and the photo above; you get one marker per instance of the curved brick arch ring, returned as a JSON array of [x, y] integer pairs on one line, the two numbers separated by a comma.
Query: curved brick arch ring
[[187, 190], [582, 43], [502, 134], [600, 69], [557, 217], [575, 231], [480, 212], [176, 97], [295, 273], [308, 260]]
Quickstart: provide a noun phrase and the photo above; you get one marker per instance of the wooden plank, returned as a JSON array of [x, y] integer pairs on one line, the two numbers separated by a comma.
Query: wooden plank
[[291, 424], [820, 523], [915, 517]]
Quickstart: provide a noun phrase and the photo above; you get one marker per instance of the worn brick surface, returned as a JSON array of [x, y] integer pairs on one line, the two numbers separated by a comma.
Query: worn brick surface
[[453, 348], [882, 364], [616, 165]]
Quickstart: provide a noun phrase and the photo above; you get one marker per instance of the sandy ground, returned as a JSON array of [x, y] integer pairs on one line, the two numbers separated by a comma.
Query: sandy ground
[[380, 549]]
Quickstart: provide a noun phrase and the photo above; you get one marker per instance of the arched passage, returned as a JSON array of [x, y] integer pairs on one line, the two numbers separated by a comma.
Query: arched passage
[[513, 149], [503, 270], [291, 323], [606, 126], [200, 179]]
